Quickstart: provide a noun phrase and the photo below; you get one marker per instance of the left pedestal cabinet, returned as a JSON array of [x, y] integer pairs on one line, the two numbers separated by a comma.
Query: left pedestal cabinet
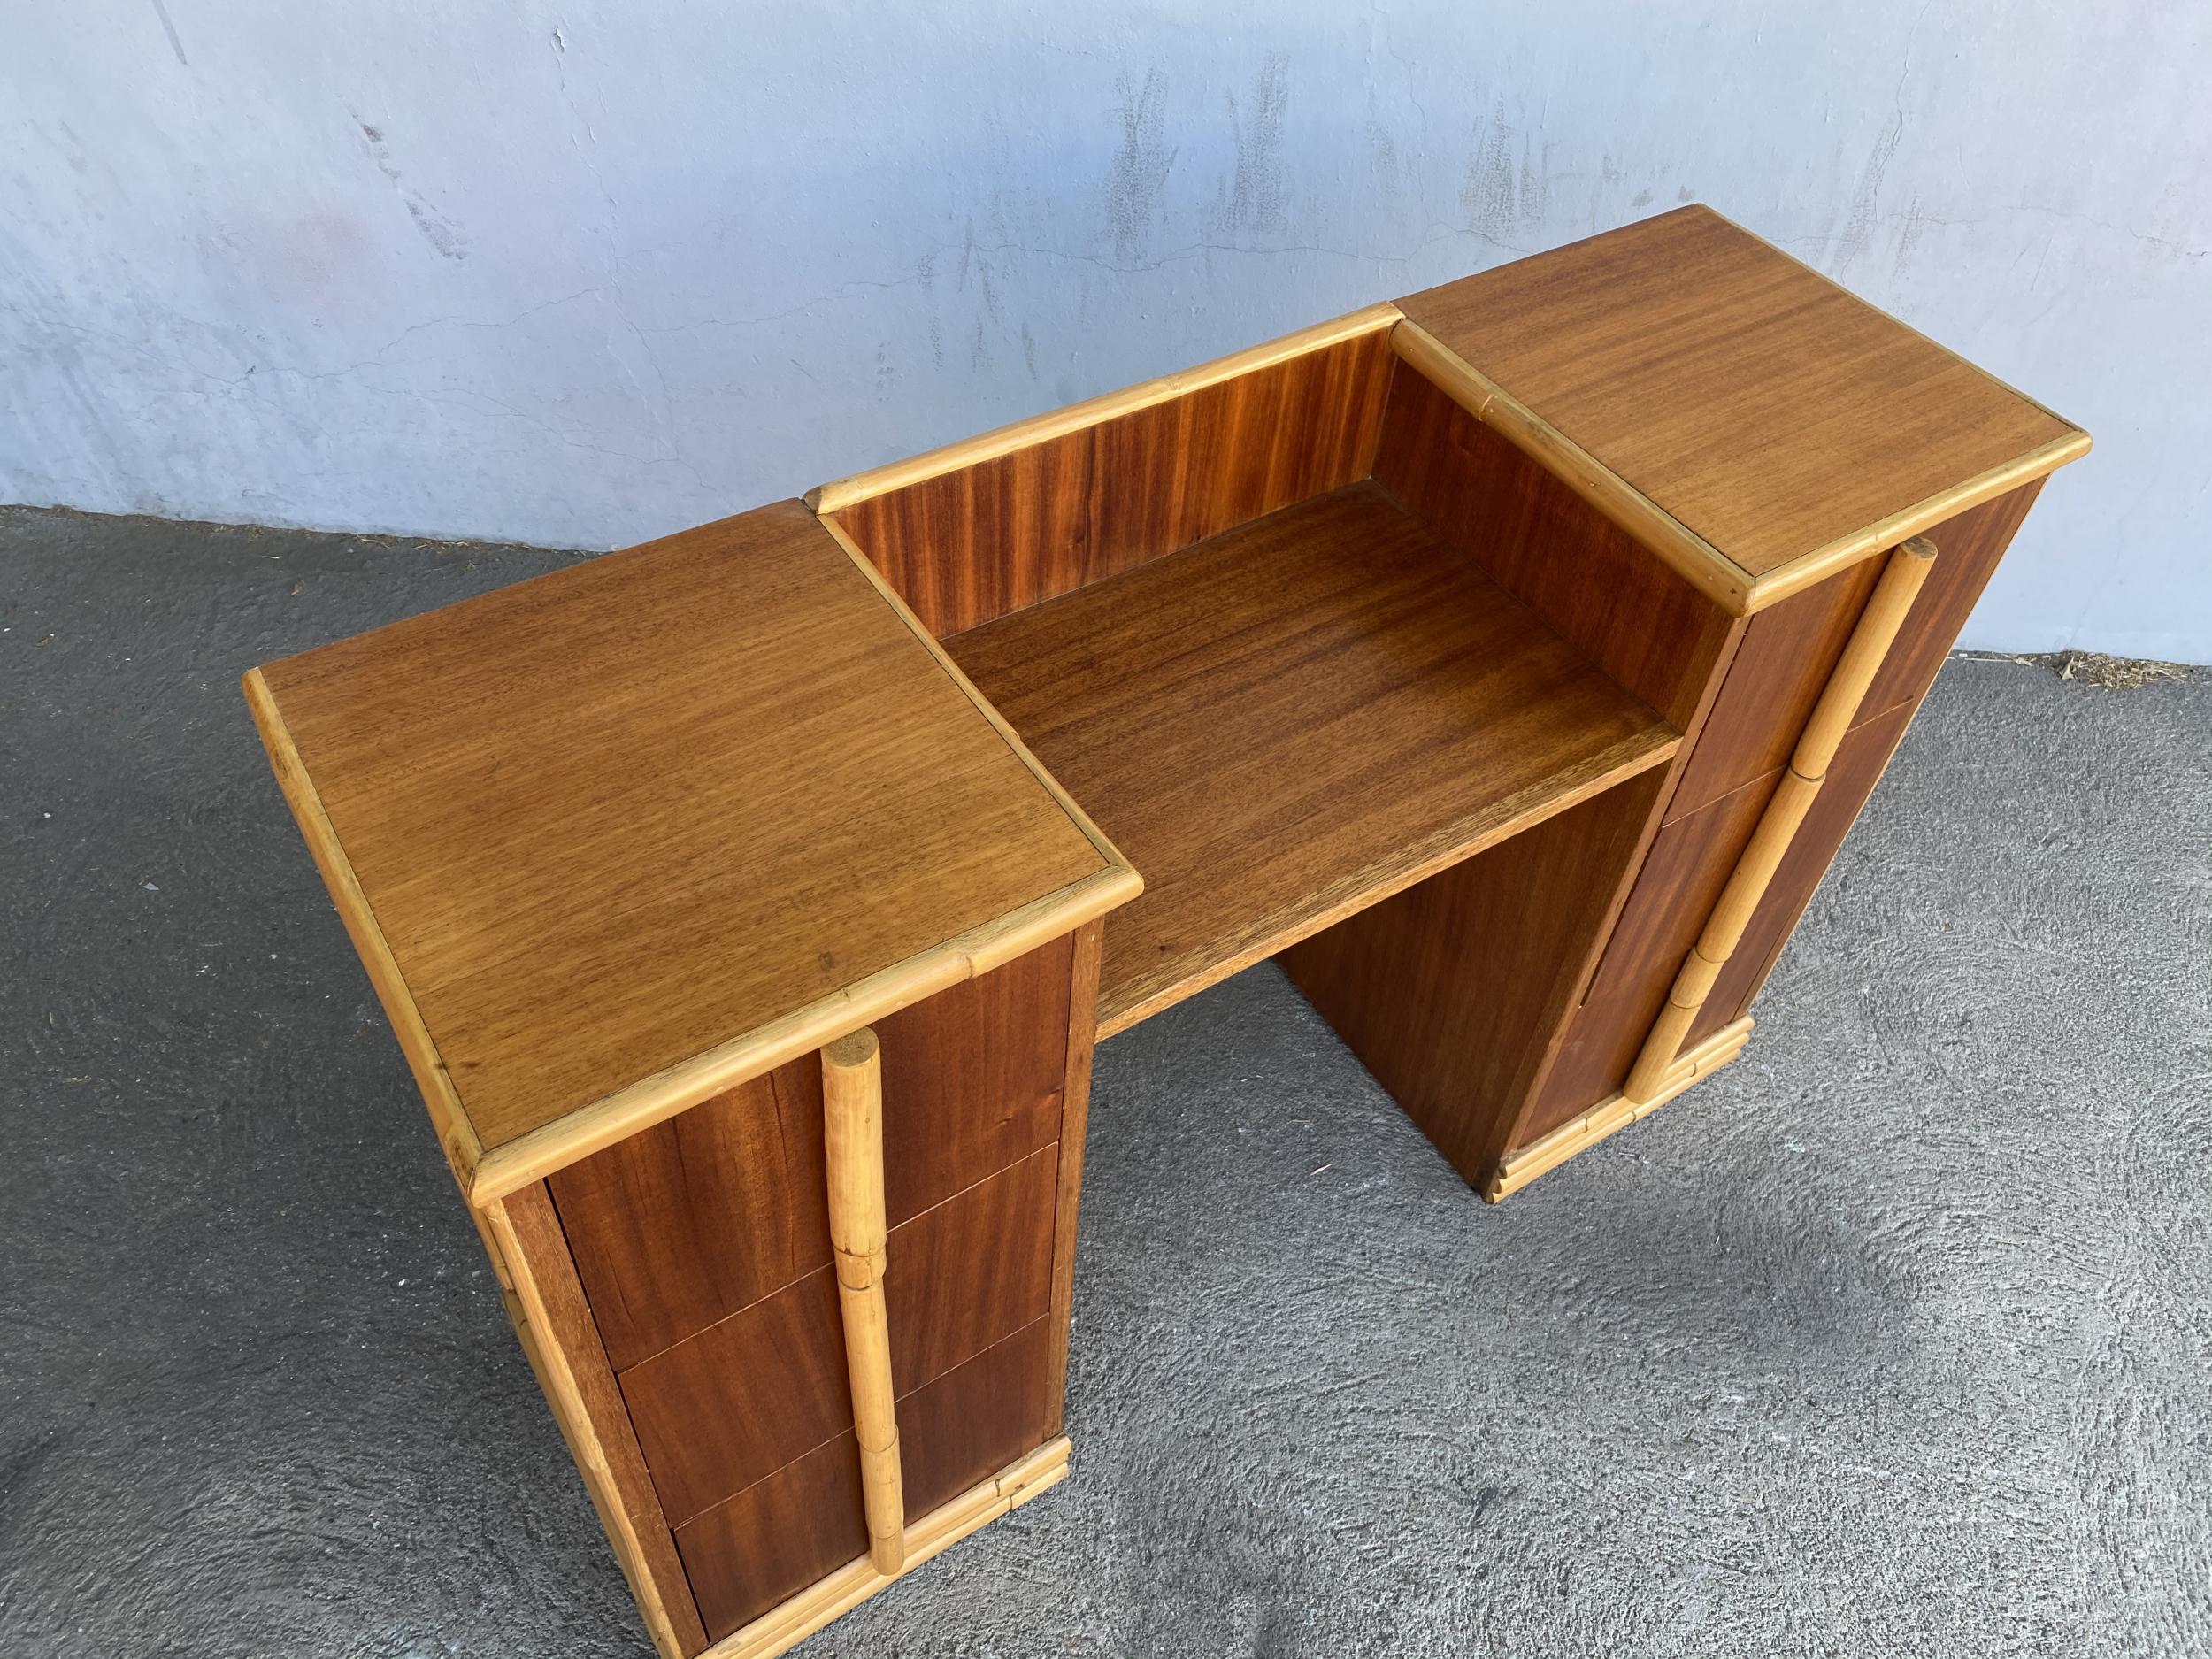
[[626, 849]]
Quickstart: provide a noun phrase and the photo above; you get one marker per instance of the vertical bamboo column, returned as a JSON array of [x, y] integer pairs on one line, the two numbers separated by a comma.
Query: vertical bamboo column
[[852, 1122], [1853, 672]]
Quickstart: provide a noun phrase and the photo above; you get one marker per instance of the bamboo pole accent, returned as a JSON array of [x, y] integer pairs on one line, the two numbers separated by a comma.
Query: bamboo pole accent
[[1616, 1111], [852, 1123], [1853, 672], [791, 1622]]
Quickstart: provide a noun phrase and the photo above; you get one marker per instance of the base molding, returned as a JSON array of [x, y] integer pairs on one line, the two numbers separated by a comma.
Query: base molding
[[792, 1622], [1616, 1111]]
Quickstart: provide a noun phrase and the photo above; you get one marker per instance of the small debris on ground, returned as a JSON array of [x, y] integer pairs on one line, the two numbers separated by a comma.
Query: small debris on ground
[[2094, 668]]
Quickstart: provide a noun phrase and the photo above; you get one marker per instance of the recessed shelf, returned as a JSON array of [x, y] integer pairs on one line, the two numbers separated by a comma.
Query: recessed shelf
[[1287, 721]]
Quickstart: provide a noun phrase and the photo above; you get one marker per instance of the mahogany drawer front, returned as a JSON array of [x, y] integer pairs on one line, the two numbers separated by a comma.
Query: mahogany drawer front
[[1780, 671], [1852, 775], [1689, 862], [971, 1078], [723, 1408], [1788, 652], [803, 1521], [700, 1217], [781, 1534]]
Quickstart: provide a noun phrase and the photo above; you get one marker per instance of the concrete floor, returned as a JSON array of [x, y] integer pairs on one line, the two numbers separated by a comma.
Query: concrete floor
[[1896, 1338]]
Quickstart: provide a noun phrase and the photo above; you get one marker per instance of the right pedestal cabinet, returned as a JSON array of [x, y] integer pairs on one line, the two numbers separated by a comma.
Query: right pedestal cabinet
[[1696, 460]]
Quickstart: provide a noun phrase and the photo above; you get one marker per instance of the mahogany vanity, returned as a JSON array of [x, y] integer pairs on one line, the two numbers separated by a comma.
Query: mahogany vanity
[[1509, 663]]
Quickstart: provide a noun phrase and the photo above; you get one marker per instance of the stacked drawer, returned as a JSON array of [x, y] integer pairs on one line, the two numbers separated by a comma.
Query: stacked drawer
[[702, 1246], [1780, 668]]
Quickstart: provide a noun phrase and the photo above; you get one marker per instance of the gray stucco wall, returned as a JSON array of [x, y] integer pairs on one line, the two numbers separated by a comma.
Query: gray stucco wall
[[582, 276]]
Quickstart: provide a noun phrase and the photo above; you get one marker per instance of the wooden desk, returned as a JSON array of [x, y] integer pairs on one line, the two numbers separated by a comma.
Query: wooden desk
[[1508, 662]]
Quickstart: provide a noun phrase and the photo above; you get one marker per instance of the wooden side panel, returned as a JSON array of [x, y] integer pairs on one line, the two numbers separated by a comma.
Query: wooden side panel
[[1968, 548], [723, 1409], [1453, 993], [530, 1251], [966, 546], [1075, 1116], [697, 1217], [1588, 580], [783, 1533], [1682, 876], [1852, 775]]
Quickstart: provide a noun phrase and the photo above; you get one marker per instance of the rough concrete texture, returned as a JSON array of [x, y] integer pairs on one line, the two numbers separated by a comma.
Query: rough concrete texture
[[1893, 1339]]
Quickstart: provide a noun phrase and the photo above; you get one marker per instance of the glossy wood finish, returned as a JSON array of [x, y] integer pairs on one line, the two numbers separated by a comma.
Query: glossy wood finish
[[723, 1409], [1775, 675], [619, 775], [973, 1078], [966, 546], [1904, 573], [693, 1219], [776, 1537], [1452, 992], [1967, 546], [1647, 627], [547, 1303], [1389, 647], [974, 1419], [1761, 406], [763, 1543], [1681, 876], [1852, 775], [973, 1269], [1293, 720]]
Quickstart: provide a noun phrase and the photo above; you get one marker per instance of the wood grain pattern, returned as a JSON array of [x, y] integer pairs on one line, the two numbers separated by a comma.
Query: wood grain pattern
[[1968, 547], [973, 1079], [965, 546], [1776, 674], [971, 1270], [724, 1407], [1590, 581], [694, 1219], [1688, 863], [1453, 992], [970, 1422], [1858, 766], [1697, 561], [1293, 720], [690, 1220], [1769, 410], [1056, 422], [1075, 1116], [554, 1324], [782, 1533], [978, 1417], [622, 775]]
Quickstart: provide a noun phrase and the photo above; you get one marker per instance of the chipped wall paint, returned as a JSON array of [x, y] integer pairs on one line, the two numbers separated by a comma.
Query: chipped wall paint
[[581, 277]]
